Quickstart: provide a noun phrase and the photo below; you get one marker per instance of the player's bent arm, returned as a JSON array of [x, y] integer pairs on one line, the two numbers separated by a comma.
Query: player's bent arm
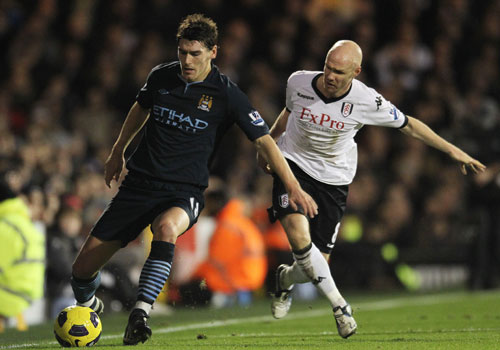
[[421, 131], [269, 151], [136, 118], [279, 125]]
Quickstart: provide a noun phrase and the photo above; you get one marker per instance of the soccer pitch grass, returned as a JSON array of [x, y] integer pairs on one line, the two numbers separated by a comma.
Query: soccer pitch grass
[[457, 320]]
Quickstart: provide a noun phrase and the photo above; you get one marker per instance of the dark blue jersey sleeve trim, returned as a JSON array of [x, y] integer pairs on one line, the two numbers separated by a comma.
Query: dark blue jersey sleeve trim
[[405, 122]]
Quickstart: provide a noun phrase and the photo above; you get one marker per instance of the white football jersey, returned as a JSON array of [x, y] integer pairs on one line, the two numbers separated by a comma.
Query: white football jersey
[[320, 132]]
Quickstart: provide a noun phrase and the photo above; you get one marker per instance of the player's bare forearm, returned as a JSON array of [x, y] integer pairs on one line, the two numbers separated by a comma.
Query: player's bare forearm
[[421, 131], [270, 152], [136, 118]]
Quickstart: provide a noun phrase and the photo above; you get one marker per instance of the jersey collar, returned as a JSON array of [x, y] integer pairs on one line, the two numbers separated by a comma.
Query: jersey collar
[[323, 97], [212, 72]]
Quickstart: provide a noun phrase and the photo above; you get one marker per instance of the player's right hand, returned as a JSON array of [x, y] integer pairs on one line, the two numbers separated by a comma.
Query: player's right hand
[[113, 168], [300, 198], [466, 161]]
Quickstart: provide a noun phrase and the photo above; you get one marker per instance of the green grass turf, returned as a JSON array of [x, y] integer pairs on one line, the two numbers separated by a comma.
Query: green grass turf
[[456, 320]]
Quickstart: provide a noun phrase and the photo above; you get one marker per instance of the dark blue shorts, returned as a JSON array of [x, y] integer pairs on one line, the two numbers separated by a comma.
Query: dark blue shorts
[[139, 201], [331, 202]]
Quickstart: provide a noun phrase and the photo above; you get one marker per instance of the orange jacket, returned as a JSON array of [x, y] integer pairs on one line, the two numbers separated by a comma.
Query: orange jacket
[[274, 235], [237, 257]]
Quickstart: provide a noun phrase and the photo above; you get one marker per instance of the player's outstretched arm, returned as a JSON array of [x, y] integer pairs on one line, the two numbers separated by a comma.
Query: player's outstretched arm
[[421, 131], [136, 118], [269, 151]]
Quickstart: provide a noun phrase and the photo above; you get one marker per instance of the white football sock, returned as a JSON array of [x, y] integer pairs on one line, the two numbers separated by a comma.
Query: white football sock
[[315, 266], [139, 304], [87, 303]]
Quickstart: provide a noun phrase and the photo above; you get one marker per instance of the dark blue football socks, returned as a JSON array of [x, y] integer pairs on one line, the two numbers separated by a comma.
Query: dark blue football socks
[[156, 270]]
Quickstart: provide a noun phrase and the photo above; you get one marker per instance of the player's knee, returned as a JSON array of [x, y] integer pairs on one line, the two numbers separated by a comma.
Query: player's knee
[[297, 231], [166, 231]]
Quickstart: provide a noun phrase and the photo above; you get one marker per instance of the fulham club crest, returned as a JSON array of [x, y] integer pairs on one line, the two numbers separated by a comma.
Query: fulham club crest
[[347, 109], [284, 200]]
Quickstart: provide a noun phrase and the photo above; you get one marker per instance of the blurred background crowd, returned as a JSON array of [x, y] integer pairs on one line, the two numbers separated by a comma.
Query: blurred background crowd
[[71, 70]]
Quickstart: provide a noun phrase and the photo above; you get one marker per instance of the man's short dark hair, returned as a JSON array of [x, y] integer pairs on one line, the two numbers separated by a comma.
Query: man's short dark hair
[[198, 27]]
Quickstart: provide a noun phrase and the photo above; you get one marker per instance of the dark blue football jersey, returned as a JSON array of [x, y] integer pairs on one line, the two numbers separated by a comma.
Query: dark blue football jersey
[[187, 122]]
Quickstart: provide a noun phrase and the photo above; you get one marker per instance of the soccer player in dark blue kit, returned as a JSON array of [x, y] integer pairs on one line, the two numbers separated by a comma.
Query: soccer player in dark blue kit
[[185, 107]]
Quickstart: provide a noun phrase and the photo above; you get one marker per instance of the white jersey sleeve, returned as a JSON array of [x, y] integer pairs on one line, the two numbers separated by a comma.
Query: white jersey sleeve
[[375, 109]]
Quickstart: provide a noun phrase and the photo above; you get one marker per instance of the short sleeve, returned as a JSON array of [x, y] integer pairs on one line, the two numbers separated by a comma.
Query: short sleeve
[[243, 113], [381, 112]]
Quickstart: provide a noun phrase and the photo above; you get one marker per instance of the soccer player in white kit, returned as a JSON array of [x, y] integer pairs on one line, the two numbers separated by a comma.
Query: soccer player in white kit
[[315, 133]]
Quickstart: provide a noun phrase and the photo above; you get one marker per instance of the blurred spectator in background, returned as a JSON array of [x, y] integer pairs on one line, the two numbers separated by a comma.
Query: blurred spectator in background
[[236, 264], [22, 258], [63, 242]]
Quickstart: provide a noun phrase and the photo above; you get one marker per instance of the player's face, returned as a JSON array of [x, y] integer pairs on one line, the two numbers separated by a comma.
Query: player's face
[[195, 59], [338, 76]]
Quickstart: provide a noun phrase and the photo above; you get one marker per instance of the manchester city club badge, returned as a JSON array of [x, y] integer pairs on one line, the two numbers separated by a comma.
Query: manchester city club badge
[[205, 103]]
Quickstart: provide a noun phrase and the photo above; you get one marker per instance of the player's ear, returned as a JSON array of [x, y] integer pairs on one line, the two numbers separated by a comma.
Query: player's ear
[[357, 71], [213, 52]]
